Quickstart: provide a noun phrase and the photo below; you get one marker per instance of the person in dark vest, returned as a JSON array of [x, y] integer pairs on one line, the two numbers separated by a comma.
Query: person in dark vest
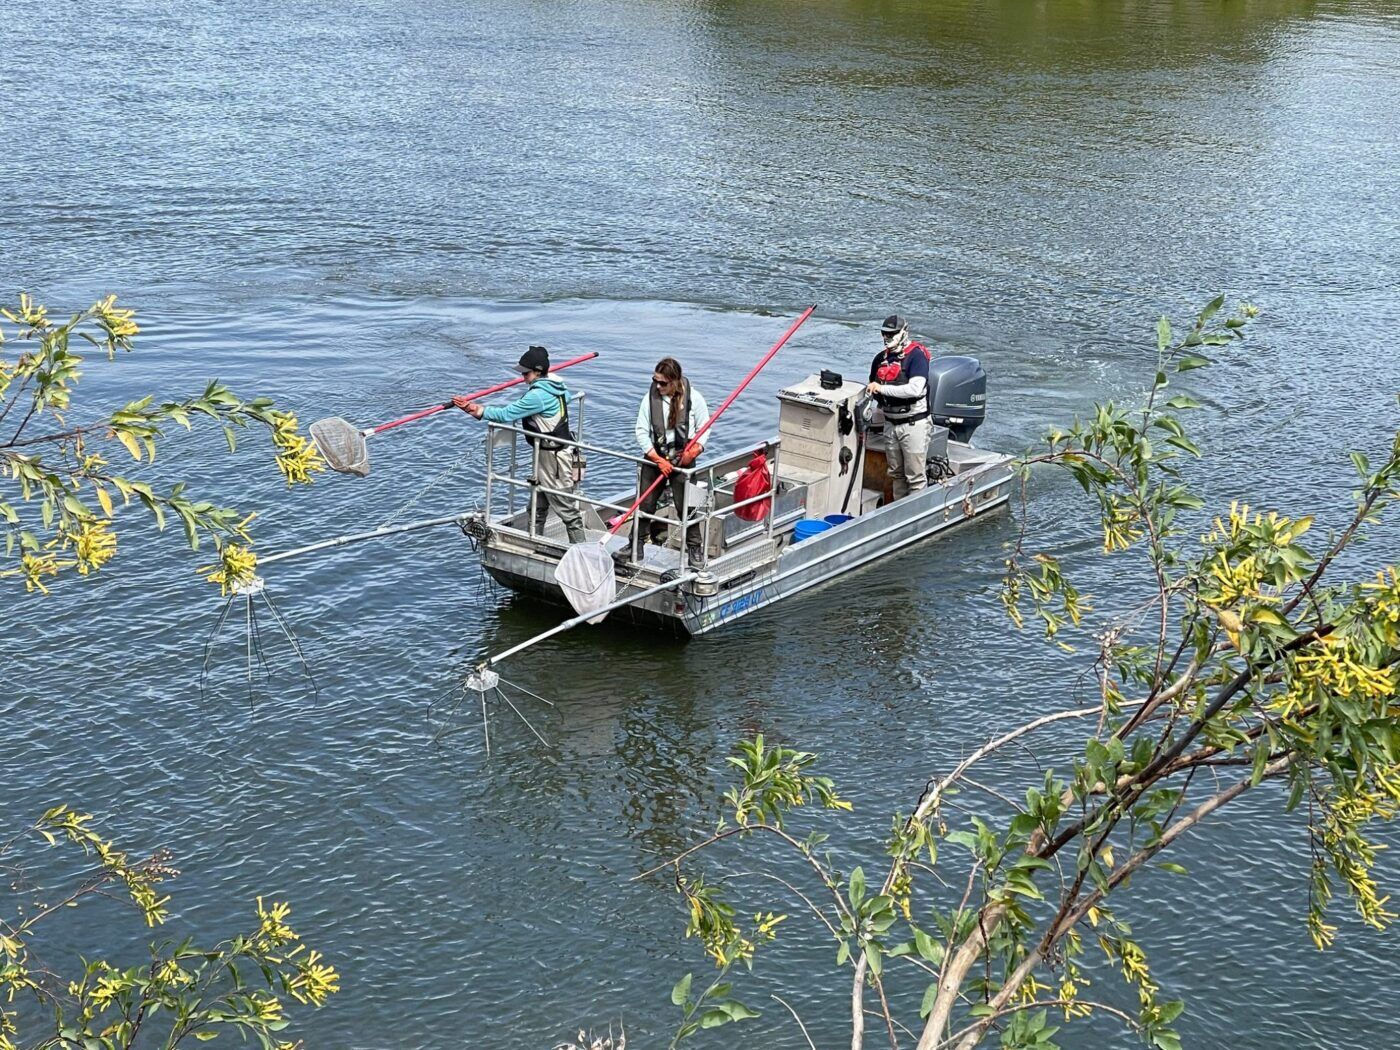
[[543, 410], [899, 384], [670, 414]]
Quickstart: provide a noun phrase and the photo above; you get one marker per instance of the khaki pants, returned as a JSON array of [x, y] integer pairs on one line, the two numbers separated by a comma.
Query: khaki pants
[[906, 450], [555, 470]]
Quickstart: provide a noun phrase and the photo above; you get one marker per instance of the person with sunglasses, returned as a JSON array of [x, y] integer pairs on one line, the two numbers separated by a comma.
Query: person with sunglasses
[[899, 384], [670, 414]]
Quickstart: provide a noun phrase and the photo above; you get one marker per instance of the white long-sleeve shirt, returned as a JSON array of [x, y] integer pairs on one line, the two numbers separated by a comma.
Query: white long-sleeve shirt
[[916, 387], [699, 414]]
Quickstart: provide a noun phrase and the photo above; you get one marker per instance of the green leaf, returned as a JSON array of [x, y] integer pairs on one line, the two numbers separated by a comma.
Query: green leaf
[[1182, 402], [1261, 759], [681, 991], [1175, 869], [75, 507], [1164, 333], [1295, 794], [929, 949], [857, 887], [1184, 443], [130, 443], [738, 1011], [930, 994], [1170, 1011], [1190, 361], [714, 1017], [1266, 615]]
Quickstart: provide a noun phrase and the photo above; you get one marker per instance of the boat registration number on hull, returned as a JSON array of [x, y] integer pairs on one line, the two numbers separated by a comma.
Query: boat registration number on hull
[[733, 607]]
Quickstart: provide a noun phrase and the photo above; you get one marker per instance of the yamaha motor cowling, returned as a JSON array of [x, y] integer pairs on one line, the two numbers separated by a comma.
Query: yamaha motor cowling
[[957, 395]]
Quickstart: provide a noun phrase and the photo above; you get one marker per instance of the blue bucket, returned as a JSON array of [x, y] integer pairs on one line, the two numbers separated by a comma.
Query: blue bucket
[[836, 519], [809, 527]]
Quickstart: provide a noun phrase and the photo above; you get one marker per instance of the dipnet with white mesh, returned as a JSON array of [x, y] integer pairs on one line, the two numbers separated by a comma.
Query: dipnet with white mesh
[[341, 445], [587, 576]]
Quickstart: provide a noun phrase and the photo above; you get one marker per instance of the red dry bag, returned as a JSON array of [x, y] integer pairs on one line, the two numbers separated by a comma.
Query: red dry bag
[[754, 481]]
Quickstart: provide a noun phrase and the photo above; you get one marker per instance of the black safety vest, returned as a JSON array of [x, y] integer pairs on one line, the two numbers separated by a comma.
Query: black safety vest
[[555, 424], [900, 409], [660, 408]]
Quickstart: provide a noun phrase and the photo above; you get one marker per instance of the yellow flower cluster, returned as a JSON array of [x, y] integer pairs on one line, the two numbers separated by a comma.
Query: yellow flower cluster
[[1121, 527], [29, 314], [297, 457], [108, 988], [236, 565], [93, 543], [1234, 583], [1334, 667], [266, 1008], [315, 981], [117, 323], [1133, 962], [1284, 530], [35, 567], [1069, 994], [170, 972], [1353, 857], [273, 931]]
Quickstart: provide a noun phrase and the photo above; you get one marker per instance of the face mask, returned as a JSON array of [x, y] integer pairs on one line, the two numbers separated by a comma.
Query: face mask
[[893, 341]]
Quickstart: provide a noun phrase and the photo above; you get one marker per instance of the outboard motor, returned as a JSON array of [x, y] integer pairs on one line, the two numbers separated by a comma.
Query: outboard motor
[[957, 395]]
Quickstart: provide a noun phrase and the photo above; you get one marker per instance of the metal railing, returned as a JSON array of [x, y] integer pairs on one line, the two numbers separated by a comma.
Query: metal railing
[[703, 481]]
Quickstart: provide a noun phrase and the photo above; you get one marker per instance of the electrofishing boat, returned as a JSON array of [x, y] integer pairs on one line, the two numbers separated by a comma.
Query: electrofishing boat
[[827, 507], [756, 526]]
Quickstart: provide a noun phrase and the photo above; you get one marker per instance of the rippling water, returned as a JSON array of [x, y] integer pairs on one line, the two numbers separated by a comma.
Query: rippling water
[[363, 207]]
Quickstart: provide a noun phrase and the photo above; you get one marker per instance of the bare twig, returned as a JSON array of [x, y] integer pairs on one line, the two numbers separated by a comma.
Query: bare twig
[[811, 1045]]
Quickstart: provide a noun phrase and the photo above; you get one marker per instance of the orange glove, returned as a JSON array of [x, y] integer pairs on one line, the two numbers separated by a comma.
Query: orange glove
[[661, 462], [690, 455], [461, 402]]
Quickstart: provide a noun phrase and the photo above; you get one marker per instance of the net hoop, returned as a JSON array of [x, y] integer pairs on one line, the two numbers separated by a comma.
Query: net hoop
[[587, 576], [341, 445]]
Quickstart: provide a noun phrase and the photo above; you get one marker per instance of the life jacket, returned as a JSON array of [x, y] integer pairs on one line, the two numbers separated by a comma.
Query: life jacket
[[660, 409], [552, 424], [895, 371]]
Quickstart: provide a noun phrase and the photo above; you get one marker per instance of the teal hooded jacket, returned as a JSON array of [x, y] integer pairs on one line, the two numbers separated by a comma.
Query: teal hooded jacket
[[540, 399]]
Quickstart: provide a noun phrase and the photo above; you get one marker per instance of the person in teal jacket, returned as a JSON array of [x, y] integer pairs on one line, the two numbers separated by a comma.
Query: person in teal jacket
[[543, 410]]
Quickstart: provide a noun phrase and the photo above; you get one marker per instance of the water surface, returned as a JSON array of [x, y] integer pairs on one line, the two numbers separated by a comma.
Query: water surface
[[366, 207]]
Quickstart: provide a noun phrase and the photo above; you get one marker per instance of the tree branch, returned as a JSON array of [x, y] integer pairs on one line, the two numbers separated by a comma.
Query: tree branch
[[1033, 959]]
